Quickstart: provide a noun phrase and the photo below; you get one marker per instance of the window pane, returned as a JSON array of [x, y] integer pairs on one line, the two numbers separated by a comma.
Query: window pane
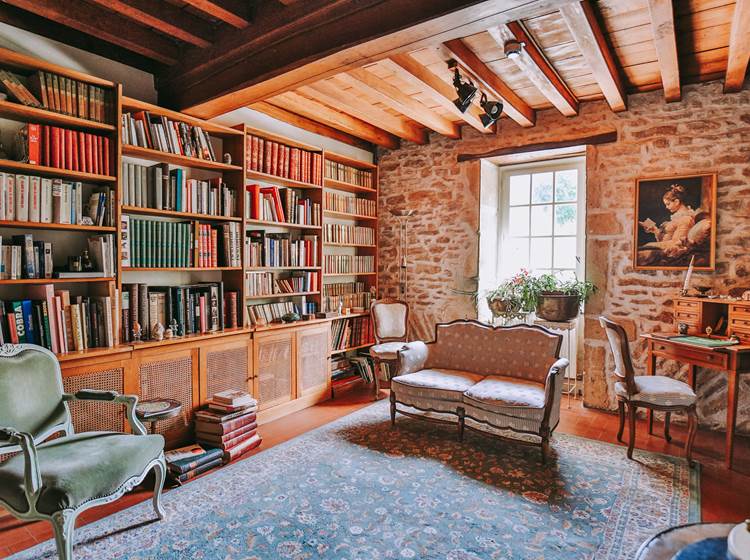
[[518, 221], [566, 185], [541, 187], [541, 253], [566, 219], [515, 256], [565, 275], [541, 220], [565, 252], [519, 189]]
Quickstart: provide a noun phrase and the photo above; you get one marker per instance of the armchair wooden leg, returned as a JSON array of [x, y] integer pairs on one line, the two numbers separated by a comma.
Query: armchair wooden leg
[[632, 410], [621, 427], [667, 418], [160, 472], [376, 380], [650, 422], [545, 449], [461, 422], [692, 430], [393, 408], [63, 523]]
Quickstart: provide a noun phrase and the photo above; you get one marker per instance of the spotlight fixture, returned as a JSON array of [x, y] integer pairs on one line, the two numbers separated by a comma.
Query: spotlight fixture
[[513, 48], [492, 111], [466, 90]]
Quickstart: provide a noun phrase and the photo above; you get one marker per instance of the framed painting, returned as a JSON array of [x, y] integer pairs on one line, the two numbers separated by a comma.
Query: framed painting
[[675, 220]]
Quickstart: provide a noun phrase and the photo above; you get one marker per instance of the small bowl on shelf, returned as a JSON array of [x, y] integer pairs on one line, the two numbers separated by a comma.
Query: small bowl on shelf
[[702, 290]]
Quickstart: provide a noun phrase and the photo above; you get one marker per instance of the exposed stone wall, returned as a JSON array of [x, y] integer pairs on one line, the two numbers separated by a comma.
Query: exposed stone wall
[[706, 131]]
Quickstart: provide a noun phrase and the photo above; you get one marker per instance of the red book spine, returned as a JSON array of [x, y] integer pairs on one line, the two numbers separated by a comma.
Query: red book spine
[[68, 149], [56, 148], [266, 156], [82, 152], [105, 155], [202, 306], [63, 150], [254, 153], [89, 153], [98, 153], [47, 141], [74, 150], [214, 246], [34, 140]]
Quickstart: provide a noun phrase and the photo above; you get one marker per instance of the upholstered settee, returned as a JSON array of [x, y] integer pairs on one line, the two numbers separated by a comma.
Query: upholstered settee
[[507, 378]]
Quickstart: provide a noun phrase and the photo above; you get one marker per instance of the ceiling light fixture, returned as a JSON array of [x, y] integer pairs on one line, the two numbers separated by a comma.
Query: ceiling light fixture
[[513, 48], [466, 90], [492, 111]]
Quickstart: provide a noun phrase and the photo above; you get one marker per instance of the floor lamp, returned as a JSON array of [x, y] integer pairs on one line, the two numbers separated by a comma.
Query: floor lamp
[[403, 248]]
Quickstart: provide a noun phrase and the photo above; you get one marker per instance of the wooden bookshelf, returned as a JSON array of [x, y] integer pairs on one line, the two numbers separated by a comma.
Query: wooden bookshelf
[[176, 159], [49, 225], [348, 187], [281, 224], [282, 295], [347, 216], [180, 269], [334, 274], [276, 180], [144, 211], [54, 172], [350, 349], [278, 268], [357, 245], [25, 113], [84, 280]]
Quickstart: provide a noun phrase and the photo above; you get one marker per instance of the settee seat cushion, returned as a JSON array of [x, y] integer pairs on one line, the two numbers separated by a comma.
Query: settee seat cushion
[[497, 391], [79, 468], [442, 384], [658, 390], [386, 350]]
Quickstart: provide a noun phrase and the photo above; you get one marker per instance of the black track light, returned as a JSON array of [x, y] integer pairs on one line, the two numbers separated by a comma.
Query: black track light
[[492, 111], [466, 90]]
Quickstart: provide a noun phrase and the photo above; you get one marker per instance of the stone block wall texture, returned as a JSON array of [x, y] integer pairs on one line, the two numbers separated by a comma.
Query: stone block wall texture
[[706, 131]]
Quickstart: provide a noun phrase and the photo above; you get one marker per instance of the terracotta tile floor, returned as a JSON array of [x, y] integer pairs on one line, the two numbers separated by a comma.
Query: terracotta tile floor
[[725, 495]]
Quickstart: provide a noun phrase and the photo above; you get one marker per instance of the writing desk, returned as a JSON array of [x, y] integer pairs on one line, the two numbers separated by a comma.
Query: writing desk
[[734, 360]]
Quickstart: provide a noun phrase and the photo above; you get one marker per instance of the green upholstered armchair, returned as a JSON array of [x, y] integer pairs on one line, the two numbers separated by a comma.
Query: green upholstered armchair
[[58, 479]]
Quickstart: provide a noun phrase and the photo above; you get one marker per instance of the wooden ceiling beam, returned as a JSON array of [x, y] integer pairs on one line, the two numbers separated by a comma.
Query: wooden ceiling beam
[[665, 41], [513, 106], [389, 95], [581, 20], [331, 95], [164, 17], [103, 25], [318, 112], [310, 125], [534, 64], [441, 91], [232, 12], [739, 47]]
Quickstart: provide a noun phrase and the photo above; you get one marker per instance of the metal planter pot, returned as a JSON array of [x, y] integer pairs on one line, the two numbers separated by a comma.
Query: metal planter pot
[[558, 307]]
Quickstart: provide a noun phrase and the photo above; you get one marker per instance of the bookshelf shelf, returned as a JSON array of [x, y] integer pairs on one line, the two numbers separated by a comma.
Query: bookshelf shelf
[[339, 274], [55, 280], [180, 269], [358, 245], [291, 294], [280, 181], [347, 216], [175, 214], [345, 350], [279, 268], [11, 110], [175, 159], [43, 170], [280, 224], [348, 187], [66, 227], [188, 338]]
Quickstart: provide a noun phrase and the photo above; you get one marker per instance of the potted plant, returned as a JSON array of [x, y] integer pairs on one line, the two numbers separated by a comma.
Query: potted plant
[[513, 296], [560, 300]]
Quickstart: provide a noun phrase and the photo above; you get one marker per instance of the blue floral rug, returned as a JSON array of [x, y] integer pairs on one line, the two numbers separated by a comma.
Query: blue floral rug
[[356, 488]]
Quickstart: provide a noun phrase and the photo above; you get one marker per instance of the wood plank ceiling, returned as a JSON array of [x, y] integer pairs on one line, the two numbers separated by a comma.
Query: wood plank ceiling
[[374, 72]]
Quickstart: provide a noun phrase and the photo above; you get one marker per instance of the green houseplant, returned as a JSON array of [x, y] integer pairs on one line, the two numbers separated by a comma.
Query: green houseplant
[[561, 300]]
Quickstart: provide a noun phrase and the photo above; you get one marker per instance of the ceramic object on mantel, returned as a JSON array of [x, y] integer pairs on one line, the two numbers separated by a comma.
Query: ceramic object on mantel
[[738, 541]]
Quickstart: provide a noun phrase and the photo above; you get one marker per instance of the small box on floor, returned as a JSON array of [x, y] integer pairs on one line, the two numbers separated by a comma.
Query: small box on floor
[[228, 424]]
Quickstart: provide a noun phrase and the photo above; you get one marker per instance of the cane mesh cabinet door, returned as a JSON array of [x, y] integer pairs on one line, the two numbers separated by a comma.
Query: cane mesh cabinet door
[[226, 364], [274, 368], [313, 373], [96, 416]]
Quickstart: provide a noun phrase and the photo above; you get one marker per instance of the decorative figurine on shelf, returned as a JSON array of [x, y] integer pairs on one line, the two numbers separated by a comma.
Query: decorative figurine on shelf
[[290, 317], [168, 334], [157, 331], [682, 328], [86, 221], [174, 327], [746, 295], [137, 331], [228, 158], [709, 331], [86, 264], [74, 264]]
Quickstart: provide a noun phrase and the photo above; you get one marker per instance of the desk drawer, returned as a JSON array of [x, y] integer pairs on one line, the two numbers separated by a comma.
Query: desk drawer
[[703, 358], [686, 304], [739, 310], [689, 317], [740, 323]]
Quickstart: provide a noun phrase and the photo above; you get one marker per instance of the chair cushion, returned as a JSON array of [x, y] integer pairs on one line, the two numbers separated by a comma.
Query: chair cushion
[[499, 391], [79, 468], [658, 390], [443, 384], [386, 350]]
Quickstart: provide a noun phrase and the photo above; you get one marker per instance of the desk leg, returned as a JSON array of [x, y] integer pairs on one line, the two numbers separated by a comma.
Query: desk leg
[[691, 376], [651, 370], [732, 398]]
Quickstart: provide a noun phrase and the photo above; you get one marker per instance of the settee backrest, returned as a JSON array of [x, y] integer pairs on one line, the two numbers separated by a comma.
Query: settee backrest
[[522, 351]]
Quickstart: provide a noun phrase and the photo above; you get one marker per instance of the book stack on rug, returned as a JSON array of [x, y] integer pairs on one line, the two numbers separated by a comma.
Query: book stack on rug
[[228, 424], [190, 461]]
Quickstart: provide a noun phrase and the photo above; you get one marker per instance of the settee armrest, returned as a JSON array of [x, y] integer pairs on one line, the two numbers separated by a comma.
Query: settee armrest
[[553, 384], [32, 477], [130, 401], [412, 357]]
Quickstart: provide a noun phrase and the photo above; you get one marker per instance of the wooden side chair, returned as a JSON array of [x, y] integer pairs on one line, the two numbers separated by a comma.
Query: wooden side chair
[[390, 320], [56, 480], [654, 392]]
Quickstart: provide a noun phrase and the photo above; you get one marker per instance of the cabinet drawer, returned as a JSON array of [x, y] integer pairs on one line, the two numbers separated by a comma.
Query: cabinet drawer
[[740, 324], [739, 310], [689, 317], [686, 304], [703, 358]]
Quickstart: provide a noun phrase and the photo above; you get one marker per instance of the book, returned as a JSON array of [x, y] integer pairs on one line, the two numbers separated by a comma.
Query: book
[[192, 462], [224, 439], [221, 428], [225, 443], [213, 417], [184, 477], [234, 397], [242, 448]]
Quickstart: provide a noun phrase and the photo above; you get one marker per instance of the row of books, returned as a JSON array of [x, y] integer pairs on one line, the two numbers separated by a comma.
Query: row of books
[[160, 133], [51, 319], [219, 245], [349, 204], [266, 283], [29, 198], [270, 312], [277, 204], [158, 187], [344, 264], [66, 149], [351, 332], [195, 309], [59, 94], [333, 303], [348, 174], [279, 249], [275, 158], [348, 234], [341, 288]]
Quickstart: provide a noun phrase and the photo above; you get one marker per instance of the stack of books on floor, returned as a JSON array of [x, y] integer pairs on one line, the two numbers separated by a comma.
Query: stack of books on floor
[[228, 424], [190, 461]]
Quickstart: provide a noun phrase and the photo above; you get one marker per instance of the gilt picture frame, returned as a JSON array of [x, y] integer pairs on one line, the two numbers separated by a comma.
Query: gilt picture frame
[[674, 221]]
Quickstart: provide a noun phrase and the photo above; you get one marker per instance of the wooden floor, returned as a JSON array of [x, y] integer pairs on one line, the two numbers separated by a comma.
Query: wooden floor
[[725, 495]]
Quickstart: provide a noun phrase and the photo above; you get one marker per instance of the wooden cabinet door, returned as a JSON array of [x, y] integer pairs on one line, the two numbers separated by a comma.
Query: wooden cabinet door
[[226, 364], [273, 359], [313, 349]]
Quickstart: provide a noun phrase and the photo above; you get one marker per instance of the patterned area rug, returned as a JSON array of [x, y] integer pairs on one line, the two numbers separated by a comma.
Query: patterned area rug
[[356, 488]]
